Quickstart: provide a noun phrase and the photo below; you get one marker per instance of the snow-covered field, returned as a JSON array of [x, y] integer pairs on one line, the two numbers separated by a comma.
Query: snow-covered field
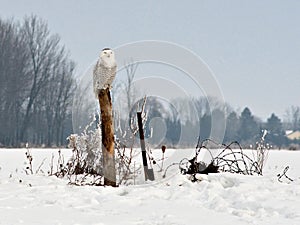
[[218, 199]]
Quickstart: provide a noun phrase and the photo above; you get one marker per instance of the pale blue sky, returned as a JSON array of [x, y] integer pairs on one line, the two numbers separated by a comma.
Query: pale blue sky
[[253, 47]]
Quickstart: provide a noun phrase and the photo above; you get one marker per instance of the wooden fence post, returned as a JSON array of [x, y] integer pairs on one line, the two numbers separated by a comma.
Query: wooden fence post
[[149, 175], [107, 132]]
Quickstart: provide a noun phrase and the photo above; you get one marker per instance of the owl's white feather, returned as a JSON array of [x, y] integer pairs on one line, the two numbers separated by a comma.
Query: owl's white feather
[[104, 71]]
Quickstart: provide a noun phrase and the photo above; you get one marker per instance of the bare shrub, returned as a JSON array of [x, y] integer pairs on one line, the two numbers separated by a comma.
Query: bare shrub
[[86, 164], [230, 158], [262, 151]]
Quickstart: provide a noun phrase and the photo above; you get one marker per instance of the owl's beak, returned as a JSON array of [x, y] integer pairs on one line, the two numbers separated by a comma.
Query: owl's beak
[[108, 56]]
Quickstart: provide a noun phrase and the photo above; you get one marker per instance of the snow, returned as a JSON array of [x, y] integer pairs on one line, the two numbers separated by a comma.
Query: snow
[[217, 199]]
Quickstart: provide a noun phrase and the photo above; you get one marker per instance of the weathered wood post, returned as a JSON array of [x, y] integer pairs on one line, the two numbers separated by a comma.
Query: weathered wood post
[[107, 132]]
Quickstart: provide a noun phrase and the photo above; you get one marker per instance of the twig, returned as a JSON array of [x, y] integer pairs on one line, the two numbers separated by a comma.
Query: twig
[[284, 174], [40, 166]]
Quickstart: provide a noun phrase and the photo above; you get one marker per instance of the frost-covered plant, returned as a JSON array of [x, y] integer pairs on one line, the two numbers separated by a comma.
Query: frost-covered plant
[[87, 159], [87, 154], [262, 150], [125, 165]]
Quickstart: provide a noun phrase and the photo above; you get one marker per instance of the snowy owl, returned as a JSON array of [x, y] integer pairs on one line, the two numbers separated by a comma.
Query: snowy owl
[[104, 71]]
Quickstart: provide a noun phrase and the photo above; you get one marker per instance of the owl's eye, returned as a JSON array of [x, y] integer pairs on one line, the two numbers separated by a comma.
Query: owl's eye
[[104, 52]]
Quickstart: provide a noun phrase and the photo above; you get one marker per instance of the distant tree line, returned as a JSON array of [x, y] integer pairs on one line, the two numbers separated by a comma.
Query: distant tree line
[[243, 127], [183, 121], [36, 85]]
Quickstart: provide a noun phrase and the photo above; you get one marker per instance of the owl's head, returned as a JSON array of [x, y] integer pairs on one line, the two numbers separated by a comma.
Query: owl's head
[[107, 57]]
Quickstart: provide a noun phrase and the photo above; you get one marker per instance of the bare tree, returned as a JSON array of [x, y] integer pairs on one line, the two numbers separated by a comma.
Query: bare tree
[[292, 117], [13, 60], [58, 98], [129, 88], [42, 48], [50, 71], [36, 84], [126, 102]]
